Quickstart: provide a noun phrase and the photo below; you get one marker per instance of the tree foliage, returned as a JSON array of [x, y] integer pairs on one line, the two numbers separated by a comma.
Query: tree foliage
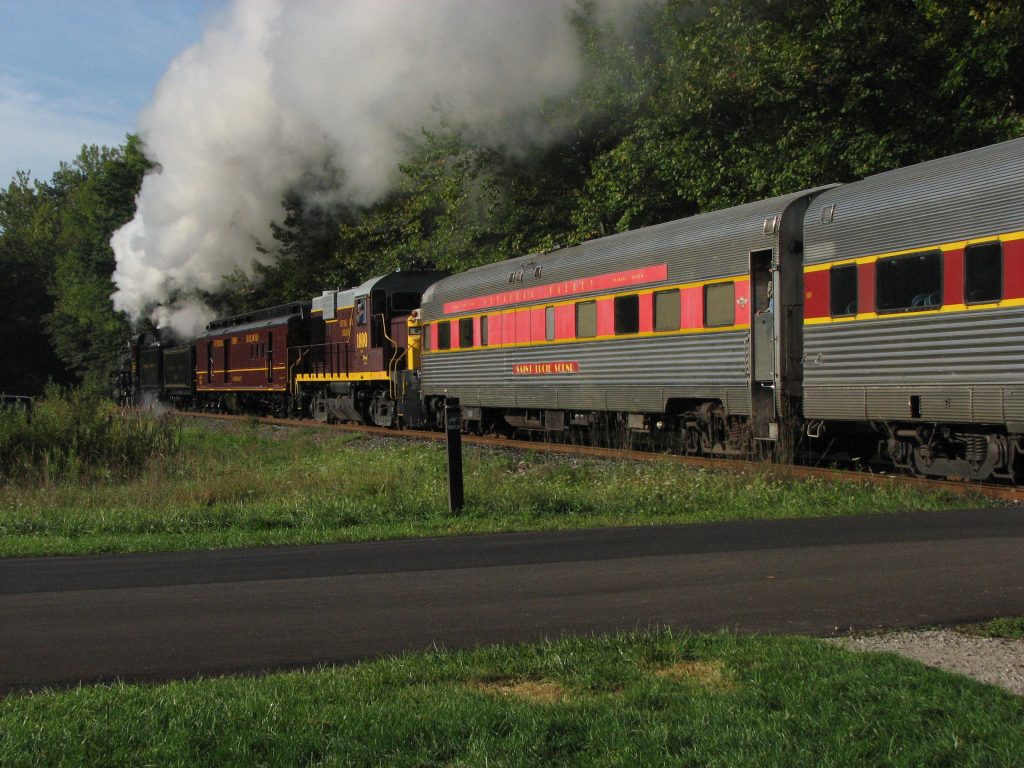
[[56, 236], [27, 259]]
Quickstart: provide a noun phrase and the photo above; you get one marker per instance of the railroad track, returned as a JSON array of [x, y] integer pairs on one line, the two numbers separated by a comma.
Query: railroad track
[[1000, 492]]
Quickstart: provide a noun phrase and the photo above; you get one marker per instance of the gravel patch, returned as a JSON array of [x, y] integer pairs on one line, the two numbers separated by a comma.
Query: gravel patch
[[990, 660]]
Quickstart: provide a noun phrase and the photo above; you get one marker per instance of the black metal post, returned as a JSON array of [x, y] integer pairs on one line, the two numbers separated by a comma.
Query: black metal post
[[453, 435]]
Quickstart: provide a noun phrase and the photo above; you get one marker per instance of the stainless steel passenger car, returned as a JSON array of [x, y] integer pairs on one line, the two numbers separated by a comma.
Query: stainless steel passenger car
[[914, 293], [692, 327]]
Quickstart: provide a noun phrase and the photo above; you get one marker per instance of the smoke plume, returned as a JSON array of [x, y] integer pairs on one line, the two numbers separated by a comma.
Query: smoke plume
[[276, 91]]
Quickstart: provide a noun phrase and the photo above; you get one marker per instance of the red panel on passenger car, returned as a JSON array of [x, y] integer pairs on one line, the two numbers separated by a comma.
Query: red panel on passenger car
[[1013, 269], [646, 313], [816, 294], [537, 324], [953, 277], [565, 321], [508, 329], [607, 282], [606, 317], [866, 288], [742, 302], [522, 326], [693, 307]]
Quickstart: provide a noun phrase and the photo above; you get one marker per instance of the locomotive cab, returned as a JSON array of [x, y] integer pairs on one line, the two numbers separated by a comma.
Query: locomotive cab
[[358, 367]]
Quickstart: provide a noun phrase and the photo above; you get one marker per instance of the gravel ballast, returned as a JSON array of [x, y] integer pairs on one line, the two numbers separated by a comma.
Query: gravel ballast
[[990, 660]]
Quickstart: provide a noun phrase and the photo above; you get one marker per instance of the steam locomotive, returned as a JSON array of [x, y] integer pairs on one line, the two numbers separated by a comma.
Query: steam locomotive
[[881, 319]]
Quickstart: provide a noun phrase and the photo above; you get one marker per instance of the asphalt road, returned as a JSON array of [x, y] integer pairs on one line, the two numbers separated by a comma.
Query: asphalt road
[[180, 615]]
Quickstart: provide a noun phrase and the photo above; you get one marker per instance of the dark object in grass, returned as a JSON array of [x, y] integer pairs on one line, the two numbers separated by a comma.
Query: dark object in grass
[[18, 404]]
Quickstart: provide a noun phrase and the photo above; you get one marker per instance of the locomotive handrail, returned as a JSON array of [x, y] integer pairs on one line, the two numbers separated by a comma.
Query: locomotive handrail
[[393, 362], [291, 370]]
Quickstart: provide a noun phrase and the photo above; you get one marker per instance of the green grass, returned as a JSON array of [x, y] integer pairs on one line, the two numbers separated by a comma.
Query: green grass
[[248, 484], [630, 700], [1010, 628], [79, 436]]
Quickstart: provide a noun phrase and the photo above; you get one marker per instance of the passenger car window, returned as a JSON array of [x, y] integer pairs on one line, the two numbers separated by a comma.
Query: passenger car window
[[483, 331], [586, 319], [549, 323], [719, 305], [465, 332], [666, 310], [983, 273], [444, 334], [909, 283], [842, 289], [627, 314]]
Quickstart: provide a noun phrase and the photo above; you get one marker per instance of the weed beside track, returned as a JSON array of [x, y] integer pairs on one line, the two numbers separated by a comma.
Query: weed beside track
[[245, 483]]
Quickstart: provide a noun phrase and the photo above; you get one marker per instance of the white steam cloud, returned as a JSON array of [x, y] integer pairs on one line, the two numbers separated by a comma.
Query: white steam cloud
[[278, 89]]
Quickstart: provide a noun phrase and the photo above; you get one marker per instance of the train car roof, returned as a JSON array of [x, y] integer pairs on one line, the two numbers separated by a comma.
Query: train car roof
[[968, 195], [330, 301], [261, 318], [702, 247]]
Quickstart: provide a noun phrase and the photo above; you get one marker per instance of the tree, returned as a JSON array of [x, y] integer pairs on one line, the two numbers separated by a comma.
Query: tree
[[27, 256], [757, 98], [95, 195]]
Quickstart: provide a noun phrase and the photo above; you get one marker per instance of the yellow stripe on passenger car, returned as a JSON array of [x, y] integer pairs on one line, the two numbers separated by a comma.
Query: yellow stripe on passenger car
[[947, 309], [944, 247]]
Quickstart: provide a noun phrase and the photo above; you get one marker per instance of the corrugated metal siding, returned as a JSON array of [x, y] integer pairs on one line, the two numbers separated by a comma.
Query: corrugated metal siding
[[959, 364], [621, 375], [952, 405], [972, 194], [703, 247], [947, 348], [1013, 403]]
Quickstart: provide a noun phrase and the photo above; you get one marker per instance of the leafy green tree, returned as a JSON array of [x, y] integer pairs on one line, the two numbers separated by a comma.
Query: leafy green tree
[[756, 98], [95, 195], [27, 254]]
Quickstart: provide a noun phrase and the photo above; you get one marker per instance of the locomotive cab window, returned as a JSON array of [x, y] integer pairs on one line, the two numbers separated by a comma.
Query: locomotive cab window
[[842, 290], [909, 283], [586, 319], [627, 314], [983, 273], [465, 332], [444, 334], [666, 310], [719, 305]]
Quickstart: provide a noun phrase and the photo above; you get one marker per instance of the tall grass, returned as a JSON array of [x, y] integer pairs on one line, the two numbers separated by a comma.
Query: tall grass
[[244, 484], [75, 435]]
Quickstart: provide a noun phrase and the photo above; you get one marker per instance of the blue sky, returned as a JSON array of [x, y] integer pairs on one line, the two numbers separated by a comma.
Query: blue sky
[[76, 72]]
